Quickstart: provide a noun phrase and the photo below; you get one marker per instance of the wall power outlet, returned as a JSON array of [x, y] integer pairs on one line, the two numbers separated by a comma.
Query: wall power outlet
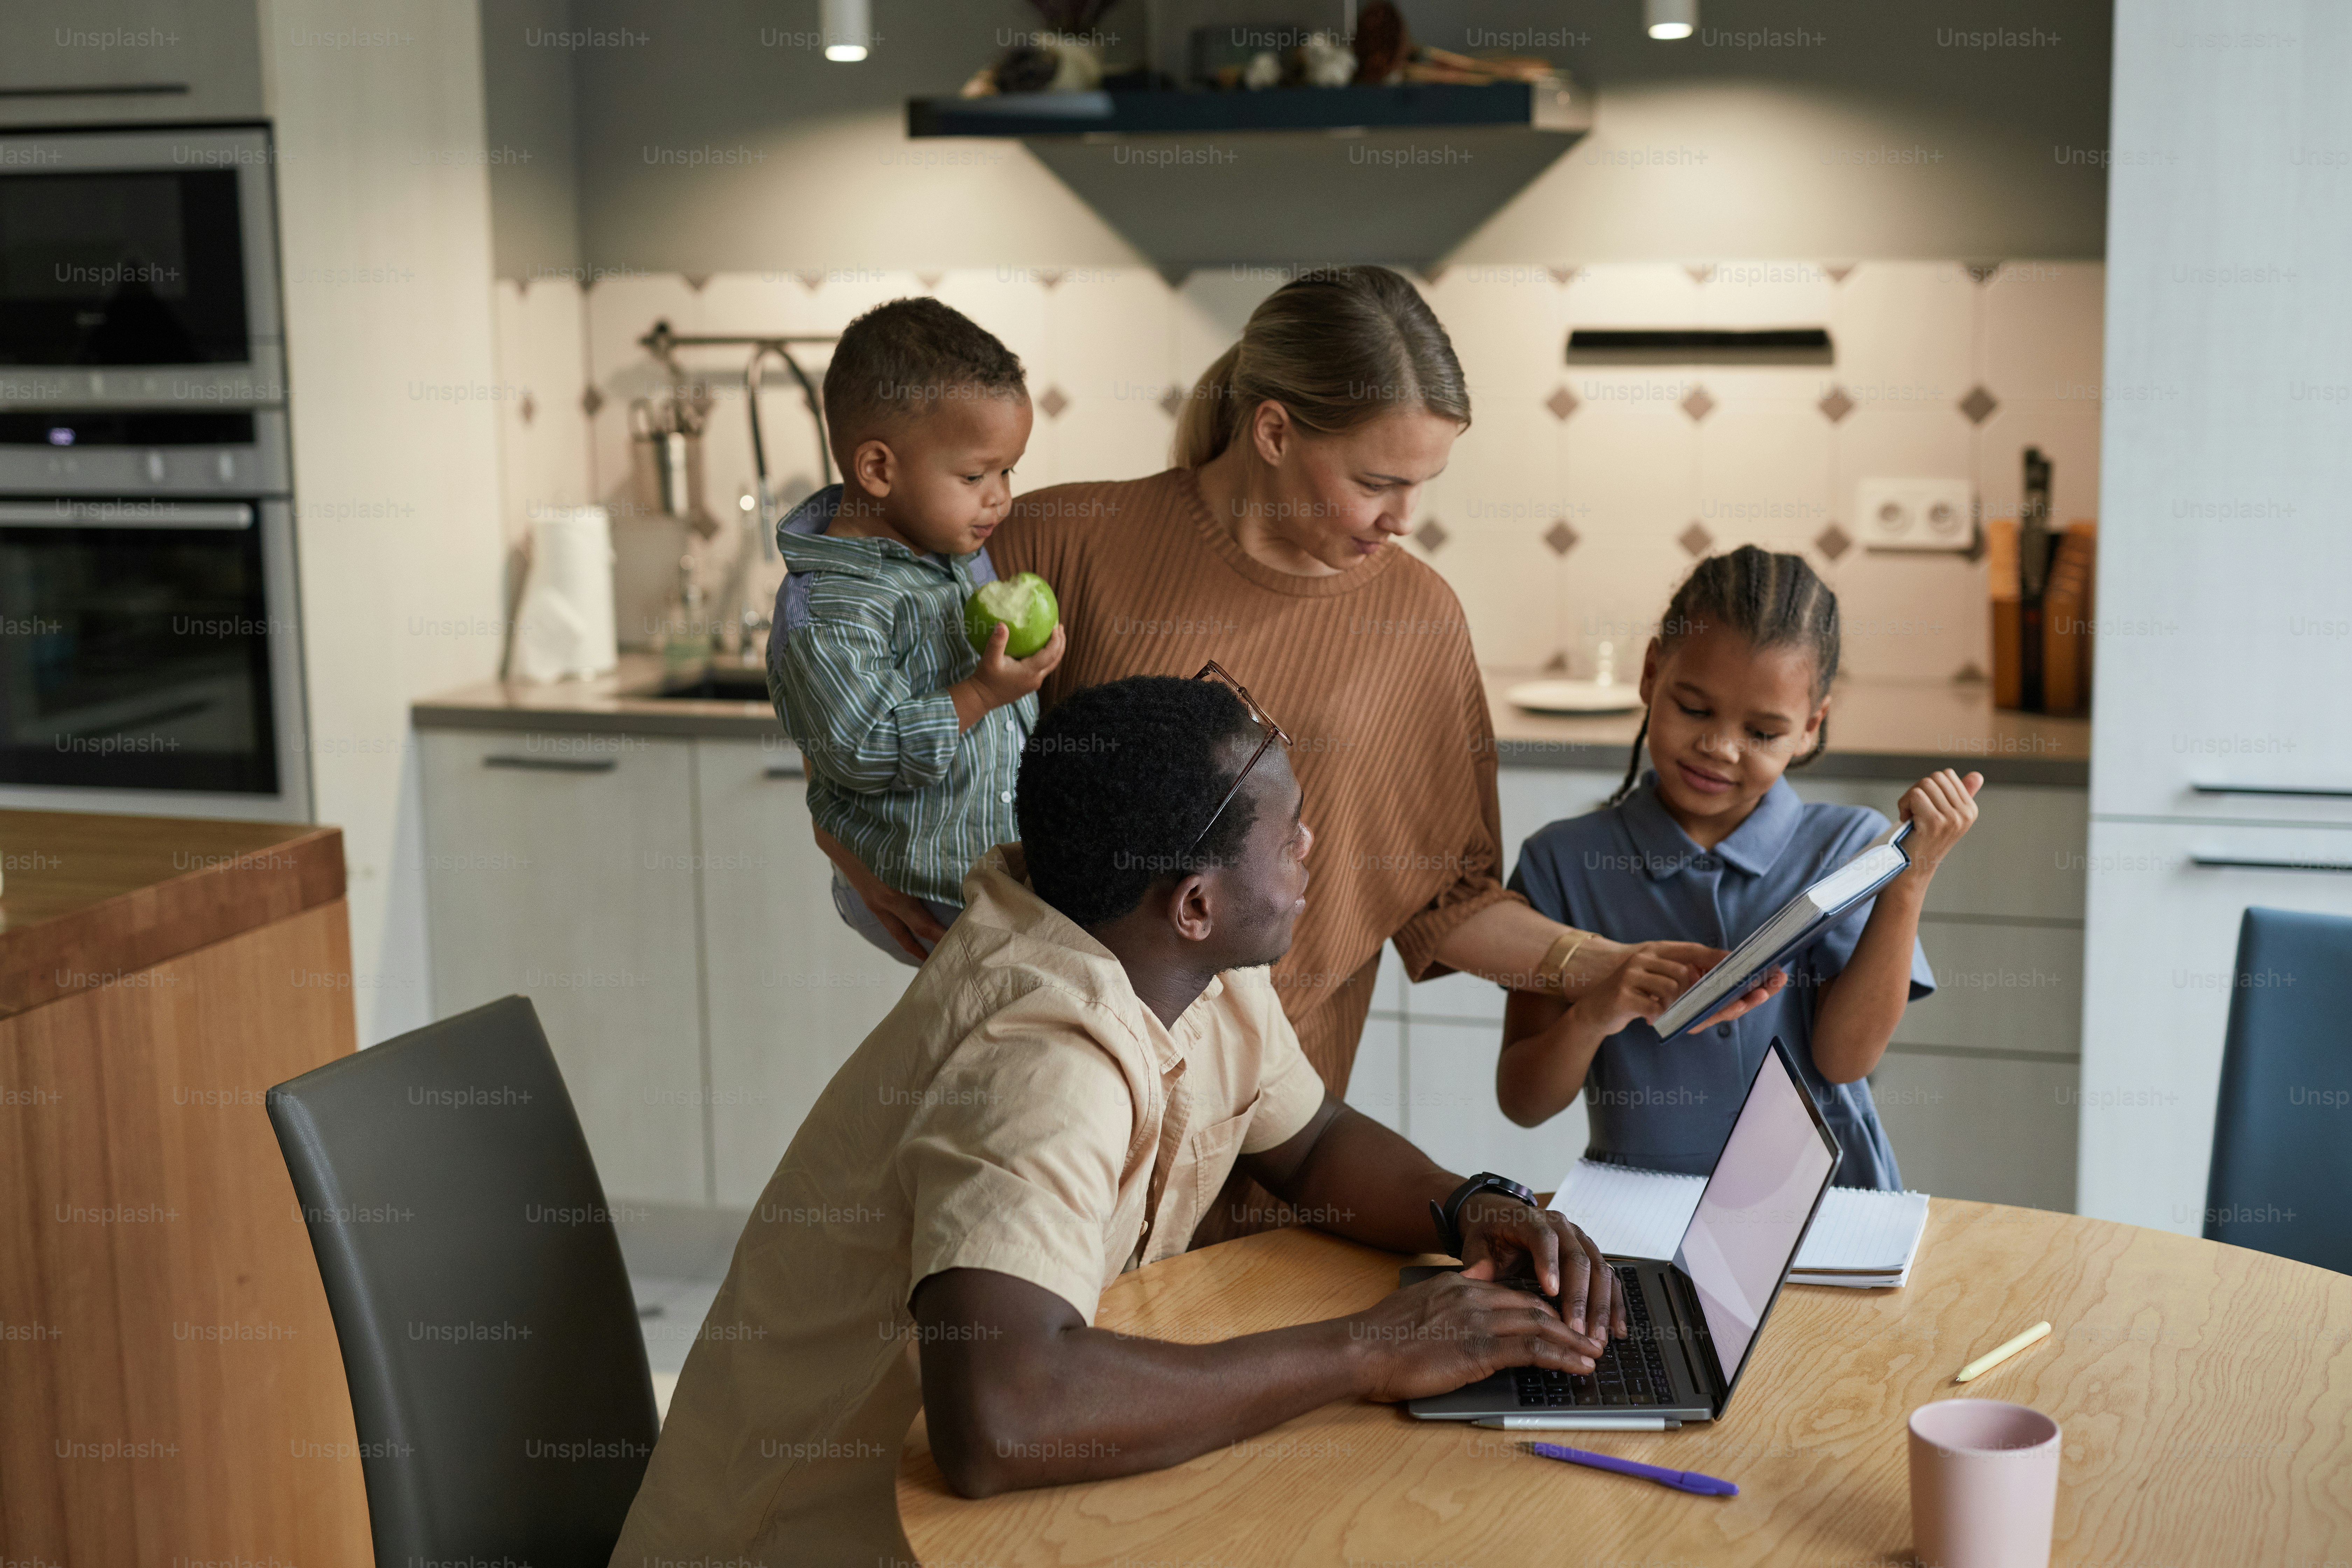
[[1916, 514]]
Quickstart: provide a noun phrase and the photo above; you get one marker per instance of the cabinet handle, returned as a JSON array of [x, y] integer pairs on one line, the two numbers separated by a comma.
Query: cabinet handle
[[2317, 791], [556, 764], [785, 770], [2249, 863]]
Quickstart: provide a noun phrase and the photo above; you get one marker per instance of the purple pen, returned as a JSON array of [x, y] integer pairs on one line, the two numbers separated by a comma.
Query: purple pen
[[1681, 1481]]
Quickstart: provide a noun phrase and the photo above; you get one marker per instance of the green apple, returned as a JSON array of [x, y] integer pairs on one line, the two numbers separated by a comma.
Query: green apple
[[1027, 604]]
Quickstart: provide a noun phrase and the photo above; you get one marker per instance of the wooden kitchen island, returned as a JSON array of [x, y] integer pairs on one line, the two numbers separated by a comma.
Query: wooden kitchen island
[[173, 1388]]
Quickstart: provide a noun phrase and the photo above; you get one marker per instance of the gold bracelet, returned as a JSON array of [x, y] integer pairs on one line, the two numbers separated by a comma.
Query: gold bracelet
[[1552, 974]]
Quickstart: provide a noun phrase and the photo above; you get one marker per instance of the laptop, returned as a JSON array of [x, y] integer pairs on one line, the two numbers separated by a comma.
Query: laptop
[[1692, 1323]]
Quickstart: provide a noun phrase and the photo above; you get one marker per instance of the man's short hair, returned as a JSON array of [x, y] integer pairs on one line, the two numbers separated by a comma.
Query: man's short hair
[[901, 359], [1116, 781]]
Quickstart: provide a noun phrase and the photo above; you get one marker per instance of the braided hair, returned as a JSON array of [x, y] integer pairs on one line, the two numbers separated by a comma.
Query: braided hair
[[1773, 601]]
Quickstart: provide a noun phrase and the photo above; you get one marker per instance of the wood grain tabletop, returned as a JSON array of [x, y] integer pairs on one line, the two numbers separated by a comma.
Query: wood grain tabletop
[[2205, 1392]]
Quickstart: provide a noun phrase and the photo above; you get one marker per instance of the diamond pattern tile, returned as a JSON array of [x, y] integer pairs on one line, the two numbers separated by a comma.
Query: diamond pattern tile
[[1834, 541], [1978, 405], [1836, 406], [1695, 540], [1052, 401], [1430, 535], [1697, 404], [1560, 537], [591, 401], [1562, 402], [1171, 400]]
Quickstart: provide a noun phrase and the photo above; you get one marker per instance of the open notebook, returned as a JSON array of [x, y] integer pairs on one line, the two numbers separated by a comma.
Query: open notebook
[[1860, 1238]]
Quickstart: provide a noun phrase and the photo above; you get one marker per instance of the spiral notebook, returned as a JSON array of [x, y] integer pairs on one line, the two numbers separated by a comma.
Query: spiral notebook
[[1860, 1239]]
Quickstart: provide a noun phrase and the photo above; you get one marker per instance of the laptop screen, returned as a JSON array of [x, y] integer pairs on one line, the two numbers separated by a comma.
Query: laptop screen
[[1750, 1219]]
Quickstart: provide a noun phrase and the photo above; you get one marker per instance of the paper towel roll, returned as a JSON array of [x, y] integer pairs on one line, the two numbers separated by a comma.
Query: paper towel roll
[[564, 629]]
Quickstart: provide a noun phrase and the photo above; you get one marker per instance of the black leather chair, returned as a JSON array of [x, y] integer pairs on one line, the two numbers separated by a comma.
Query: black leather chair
[[2282, 1174], [488, 1332]]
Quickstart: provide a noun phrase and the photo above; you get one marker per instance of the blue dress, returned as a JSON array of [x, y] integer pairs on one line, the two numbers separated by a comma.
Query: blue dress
[[1629, 872]]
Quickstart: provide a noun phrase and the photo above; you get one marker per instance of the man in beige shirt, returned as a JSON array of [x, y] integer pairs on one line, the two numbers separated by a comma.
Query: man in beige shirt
[[1063, 1090]]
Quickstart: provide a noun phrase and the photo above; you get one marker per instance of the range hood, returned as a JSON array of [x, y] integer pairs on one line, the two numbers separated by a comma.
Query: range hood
[[1289, 176]]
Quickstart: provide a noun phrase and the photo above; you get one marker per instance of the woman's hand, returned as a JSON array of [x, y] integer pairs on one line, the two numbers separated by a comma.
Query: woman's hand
[[1641, 987], [904, 917], [1940, 808], [1608, 957]]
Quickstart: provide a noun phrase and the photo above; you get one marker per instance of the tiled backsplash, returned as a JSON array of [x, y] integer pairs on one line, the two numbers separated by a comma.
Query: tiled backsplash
[[1572, 505]]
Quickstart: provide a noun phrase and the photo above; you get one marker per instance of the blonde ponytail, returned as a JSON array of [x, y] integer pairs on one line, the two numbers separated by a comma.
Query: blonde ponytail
[[1204, 425], [1335, 347]]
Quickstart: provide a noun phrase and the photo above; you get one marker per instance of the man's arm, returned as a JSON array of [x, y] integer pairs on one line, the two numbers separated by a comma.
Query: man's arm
[[1019, 1392]]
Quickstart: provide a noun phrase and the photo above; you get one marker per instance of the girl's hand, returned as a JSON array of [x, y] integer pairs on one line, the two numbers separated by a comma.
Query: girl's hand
[[1641, 987], [1940, 808]]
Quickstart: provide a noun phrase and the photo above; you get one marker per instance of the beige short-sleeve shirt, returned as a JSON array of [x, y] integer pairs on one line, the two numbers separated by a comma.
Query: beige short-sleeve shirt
[[1019, 1110]]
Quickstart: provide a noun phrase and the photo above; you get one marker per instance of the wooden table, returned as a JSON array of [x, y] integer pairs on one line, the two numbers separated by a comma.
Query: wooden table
[[171, 1389], [2205, 1393]]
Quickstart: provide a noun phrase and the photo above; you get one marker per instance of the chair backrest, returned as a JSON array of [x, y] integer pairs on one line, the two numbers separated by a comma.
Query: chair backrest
[[2282, 1174], [490, 1335]]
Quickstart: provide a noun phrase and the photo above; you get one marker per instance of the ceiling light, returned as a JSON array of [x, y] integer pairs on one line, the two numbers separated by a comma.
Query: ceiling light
[[848, 29], [1671, 18]]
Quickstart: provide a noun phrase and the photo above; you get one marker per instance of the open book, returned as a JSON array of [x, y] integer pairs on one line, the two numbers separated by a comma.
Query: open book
[[1860, 1238], [1799, 921]]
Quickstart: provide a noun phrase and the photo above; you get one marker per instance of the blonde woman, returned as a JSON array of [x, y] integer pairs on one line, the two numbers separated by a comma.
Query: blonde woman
[[1269, 548]]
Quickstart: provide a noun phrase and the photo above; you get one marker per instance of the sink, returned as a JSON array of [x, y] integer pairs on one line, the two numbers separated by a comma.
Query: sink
[[716, 683]]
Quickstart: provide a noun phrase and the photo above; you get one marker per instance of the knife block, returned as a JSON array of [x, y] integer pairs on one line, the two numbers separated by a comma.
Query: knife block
[[2067, 615]]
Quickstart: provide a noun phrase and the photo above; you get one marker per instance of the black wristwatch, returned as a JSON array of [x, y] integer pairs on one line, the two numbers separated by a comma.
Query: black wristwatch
[[1448, 1218]]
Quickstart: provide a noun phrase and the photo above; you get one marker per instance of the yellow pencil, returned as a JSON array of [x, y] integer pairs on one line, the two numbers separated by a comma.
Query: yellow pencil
[[1993, 1358]]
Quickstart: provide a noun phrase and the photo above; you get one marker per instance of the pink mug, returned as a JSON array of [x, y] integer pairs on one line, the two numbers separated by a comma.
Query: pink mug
[[1984, 1484]]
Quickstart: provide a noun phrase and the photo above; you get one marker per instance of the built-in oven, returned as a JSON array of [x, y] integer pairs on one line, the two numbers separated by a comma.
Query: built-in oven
[[149, 651], [139, 267]]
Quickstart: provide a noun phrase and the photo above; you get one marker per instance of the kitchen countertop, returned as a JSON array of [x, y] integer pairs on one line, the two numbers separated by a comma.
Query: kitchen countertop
[[92, 900], [1878, 730]]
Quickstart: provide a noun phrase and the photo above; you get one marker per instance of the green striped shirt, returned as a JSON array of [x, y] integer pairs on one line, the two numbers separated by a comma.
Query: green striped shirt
[[868, 636]]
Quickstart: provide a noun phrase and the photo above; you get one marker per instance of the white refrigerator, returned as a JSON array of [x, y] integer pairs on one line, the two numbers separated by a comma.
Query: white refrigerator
[[2222, 736]]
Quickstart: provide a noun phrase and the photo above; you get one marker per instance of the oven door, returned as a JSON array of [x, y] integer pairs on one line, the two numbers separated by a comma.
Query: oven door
[[138, 267], [149, 658]]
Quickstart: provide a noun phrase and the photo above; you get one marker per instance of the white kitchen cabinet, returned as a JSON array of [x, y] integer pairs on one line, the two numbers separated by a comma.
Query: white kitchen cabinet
[[2022, 860], [1451, 1112], [791, 990], [2163, 952], [561, 866], [1991, 1129], [193, 60], [1999, 987], [2224, 636], [1376, 1086]]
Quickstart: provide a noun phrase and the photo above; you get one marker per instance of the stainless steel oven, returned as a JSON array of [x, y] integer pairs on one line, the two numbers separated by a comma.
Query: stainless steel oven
[[138, 267], [150, 652]]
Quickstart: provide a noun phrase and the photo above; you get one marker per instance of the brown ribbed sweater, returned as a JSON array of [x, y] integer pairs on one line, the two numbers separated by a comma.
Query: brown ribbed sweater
[[1369, 672]]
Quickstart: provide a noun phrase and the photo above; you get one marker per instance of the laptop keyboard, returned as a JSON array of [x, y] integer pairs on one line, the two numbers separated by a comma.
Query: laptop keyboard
[[1629, 1374]]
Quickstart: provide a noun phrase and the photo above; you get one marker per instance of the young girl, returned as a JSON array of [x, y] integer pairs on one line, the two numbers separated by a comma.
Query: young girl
[[1704, 848]]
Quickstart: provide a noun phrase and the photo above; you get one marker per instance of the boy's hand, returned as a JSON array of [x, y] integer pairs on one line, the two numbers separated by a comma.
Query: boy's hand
[[999, 680], [1940, 808]]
